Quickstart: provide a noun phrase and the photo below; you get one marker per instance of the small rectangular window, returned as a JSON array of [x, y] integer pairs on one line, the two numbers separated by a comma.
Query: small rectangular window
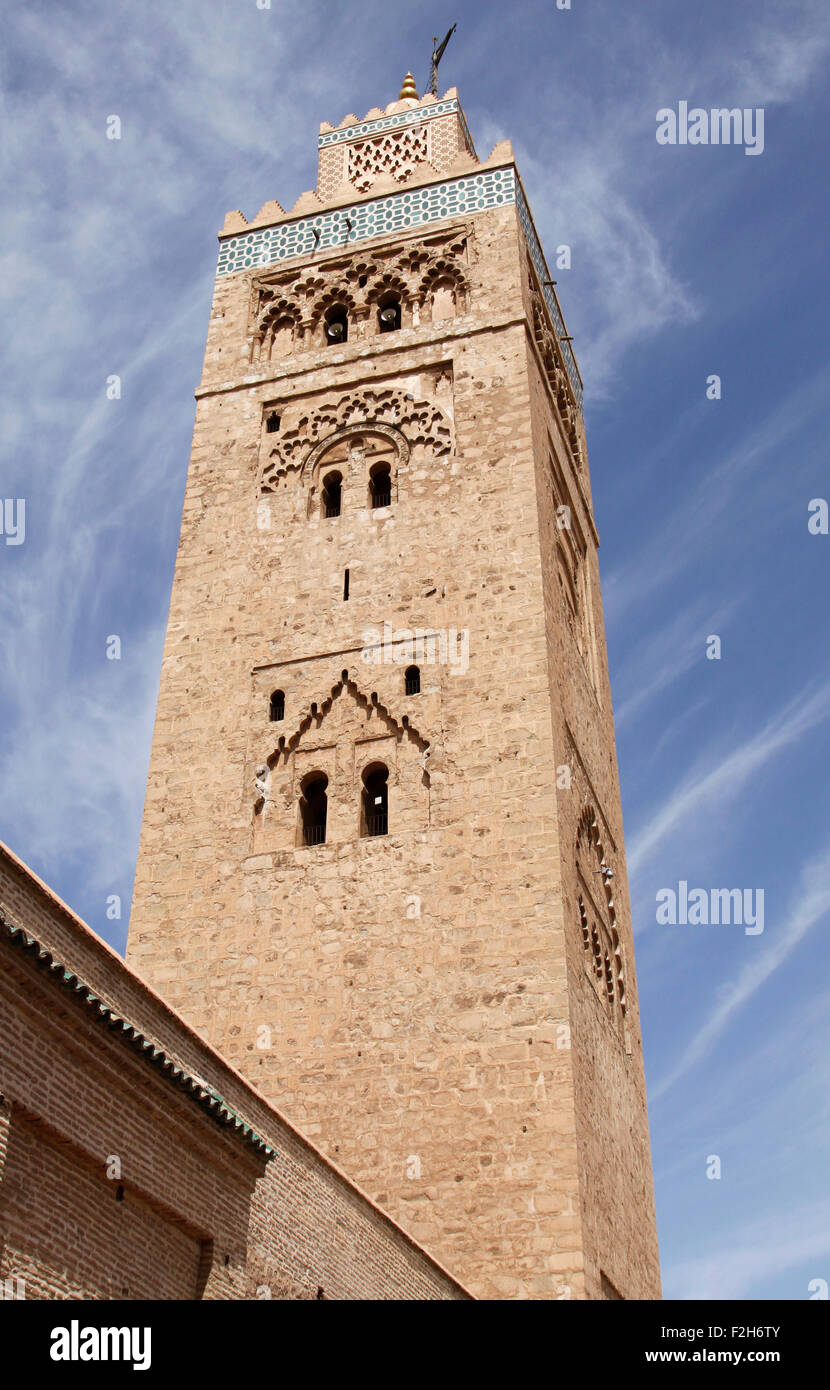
[[346, 585]]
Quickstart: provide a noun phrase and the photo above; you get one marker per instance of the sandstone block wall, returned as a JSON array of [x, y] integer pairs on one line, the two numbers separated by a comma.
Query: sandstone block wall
[[418, 1003]]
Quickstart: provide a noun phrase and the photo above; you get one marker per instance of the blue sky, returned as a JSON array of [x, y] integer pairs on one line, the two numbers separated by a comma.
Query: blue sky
[[686, 261]]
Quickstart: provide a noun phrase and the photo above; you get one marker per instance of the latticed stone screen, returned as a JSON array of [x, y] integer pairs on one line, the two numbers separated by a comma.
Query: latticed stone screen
[[397, 154]]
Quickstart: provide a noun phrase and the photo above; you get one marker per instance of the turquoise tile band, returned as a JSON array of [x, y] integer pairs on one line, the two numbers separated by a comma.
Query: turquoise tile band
[[396, 212], [363, 129], [392, 213]]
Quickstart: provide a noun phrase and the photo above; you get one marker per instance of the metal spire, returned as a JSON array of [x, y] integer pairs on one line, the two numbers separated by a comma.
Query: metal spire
[[437, 55]]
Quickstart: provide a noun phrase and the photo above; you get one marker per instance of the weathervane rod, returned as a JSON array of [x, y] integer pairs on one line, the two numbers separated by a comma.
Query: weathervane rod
[[437, 55]]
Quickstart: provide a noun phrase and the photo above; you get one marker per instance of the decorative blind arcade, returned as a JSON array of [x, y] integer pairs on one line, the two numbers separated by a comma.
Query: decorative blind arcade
[[417, 207]]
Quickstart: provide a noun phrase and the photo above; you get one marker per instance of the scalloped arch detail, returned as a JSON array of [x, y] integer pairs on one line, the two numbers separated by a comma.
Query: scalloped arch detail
[[387, 411]]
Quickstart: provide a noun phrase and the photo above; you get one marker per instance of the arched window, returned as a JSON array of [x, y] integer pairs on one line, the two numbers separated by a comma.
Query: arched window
[[389, 314], [380, 485], [412, 678], [332, 494], [374, 818], [277, 706], [337, 324], [272, 424], [443, 302], [313, 809], [282, 342]]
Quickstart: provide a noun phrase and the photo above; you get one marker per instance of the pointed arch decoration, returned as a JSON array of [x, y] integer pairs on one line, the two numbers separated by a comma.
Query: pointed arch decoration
[[315, 713]]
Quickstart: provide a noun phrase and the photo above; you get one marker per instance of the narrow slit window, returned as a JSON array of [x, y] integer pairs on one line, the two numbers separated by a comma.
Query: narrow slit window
[[346, 584]]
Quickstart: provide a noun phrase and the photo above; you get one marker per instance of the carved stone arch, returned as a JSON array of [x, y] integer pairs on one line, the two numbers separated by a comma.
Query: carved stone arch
[[440, 266], [412, 424], [600, 937], [412, 262], [310, 286], [387, 285], [361, 270], [444, 271], [276, 308], [359, 431], [311, 463], [340, 737], [335, 295], [273, 313]]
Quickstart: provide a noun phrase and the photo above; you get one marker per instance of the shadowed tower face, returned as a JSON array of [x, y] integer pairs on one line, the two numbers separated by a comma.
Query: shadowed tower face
[[382, 865]]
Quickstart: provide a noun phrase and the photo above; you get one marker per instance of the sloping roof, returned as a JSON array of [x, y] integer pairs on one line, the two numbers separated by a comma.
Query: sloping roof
[[199, 1091]]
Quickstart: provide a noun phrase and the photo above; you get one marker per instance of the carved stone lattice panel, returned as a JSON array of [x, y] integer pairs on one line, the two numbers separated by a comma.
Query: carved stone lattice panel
[[397, 153]]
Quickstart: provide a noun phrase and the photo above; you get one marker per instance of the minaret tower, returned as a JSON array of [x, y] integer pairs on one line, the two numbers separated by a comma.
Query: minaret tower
[[382, 865]]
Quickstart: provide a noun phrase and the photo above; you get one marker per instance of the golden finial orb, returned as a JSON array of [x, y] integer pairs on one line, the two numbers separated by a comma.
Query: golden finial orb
[[408, 89]]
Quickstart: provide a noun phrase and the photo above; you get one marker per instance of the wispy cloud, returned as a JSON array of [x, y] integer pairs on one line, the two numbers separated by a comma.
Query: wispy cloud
[[810, 904], [75, 766], [784, 54], [756, 1254], [705, 506], [666, 654], [721, 780]]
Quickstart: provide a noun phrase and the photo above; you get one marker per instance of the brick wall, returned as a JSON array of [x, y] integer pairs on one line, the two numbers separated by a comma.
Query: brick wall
[[115, 1182]]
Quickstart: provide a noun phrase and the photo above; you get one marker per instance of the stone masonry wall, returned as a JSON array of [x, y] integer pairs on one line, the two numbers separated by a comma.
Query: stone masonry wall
[[612, 1124], [416, 1003], [411, 990]]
